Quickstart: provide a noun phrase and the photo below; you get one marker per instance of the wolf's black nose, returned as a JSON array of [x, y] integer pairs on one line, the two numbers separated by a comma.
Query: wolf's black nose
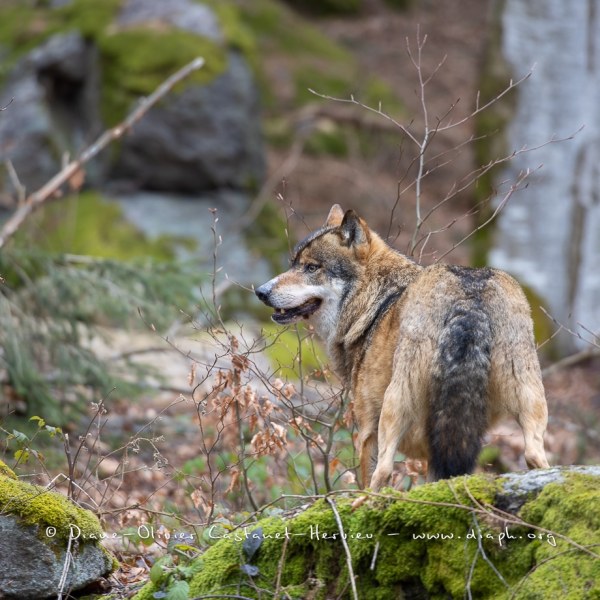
[[262, 294]]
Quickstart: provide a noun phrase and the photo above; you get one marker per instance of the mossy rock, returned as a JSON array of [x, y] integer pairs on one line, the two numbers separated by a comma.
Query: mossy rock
[[439, 540], [35, 505], [91, 224], [89, 63], [43, 522], [6, 471], [327, 7], [133, 68], [131, 65]]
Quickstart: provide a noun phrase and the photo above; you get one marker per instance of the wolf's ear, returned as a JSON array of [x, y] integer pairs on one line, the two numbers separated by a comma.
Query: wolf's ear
[[355, 233], [336, 214]]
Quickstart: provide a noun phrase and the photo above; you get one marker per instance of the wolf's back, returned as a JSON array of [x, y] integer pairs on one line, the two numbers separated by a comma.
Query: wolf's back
[[458, 402]]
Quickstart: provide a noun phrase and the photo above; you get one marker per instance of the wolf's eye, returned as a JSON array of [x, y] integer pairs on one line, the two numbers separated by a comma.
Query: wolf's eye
[[312, 268]]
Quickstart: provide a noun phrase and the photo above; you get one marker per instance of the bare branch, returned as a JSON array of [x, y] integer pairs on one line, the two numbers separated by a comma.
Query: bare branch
[[511, 86], [513, 188], [595, 341], [377, 111], [5, 107], [16, 182], [571, 360], [340, 525], [53, 186]]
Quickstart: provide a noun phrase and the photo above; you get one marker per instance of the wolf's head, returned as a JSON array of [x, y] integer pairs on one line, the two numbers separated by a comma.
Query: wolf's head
[[324, 268]]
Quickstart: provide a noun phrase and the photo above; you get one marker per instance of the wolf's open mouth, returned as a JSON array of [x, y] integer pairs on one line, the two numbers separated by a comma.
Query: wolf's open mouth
[[283, 316]]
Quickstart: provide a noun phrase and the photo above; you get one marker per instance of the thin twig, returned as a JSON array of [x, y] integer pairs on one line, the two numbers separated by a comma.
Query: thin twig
[[570, 361], [338, 520], [14, 179], [426, 133], [65, 572], [575, 334], [280, 568], [377, 111], [47, 191], [513, 188]]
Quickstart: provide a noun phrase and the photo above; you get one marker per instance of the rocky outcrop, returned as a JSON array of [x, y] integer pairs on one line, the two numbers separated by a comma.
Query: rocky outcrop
[[205, 138], [55, 109], [205, 135], [525, 535], [47, 544]]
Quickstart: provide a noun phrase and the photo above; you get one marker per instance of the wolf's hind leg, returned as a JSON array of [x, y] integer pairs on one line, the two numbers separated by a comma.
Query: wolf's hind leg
[[531, 412], [367, 448], [393, 425], [533, 422]]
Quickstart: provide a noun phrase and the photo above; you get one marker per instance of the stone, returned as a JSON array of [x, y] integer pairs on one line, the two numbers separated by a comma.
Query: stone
[[520, 487], [55, 110], [204, 138], [182, 14], [204, 135], [439, 540], [37, 557]]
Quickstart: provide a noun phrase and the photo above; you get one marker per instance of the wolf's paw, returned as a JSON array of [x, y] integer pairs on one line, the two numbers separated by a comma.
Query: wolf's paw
[[380, 479]]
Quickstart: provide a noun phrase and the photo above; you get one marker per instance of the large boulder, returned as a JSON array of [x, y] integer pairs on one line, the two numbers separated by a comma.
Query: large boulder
[[89, 66], [37, 558], [205, 138], [54, 111], [525, 535]]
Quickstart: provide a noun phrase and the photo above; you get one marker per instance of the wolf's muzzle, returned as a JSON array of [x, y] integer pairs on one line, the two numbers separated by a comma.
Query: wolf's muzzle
[[263, 293]]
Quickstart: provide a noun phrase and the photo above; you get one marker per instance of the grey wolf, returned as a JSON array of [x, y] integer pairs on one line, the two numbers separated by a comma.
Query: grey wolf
[[433, 356]]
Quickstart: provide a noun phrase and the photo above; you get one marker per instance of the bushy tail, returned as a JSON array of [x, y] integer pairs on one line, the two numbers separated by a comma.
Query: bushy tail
[[458, 414]]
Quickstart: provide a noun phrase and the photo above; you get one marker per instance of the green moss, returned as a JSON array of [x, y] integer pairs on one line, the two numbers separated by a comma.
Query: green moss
[[22, 28], [278, 131], [284, 350], [490, 459], [6, 471], [34, 505], [572, 509], [133, 66], [378, 93], [89, 17], [327, 7], [88, 224], [285, 31], [339, 84], [236, 32], [314, 564], [328, 140]]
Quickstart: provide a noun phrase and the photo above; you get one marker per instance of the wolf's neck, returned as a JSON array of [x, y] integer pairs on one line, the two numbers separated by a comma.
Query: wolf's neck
[[371, 297]]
